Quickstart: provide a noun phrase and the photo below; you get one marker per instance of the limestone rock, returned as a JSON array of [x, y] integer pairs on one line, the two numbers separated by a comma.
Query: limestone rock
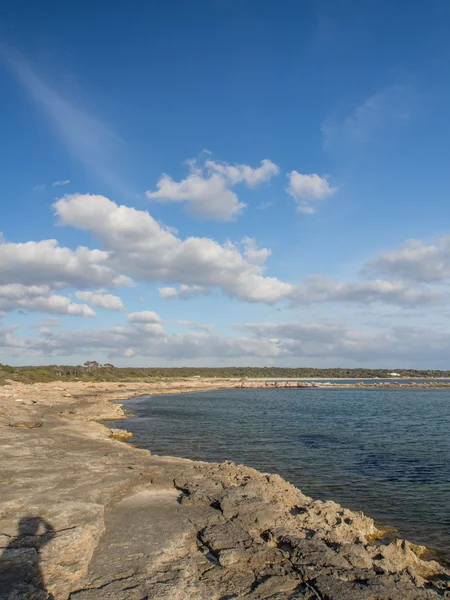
[[120, 435], [25, 419]]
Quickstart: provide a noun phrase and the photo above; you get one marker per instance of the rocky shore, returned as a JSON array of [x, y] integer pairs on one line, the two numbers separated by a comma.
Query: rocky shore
[[294, 383], [85, 516]]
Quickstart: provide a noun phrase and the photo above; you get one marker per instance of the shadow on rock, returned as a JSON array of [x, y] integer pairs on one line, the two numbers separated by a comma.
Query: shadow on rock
[[20, 570]]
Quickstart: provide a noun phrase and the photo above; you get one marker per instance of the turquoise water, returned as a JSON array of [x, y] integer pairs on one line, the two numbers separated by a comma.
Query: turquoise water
[[385, 452]]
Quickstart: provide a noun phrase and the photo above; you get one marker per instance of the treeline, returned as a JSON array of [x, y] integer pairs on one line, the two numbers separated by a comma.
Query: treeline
[[94, 371]]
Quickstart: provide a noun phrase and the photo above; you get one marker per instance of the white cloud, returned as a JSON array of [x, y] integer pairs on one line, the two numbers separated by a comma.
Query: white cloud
[[415, 261], [333, 341], [308, 190], [206, 197], [63, 182], [206, 189], [138, 245], [144, 339], [144, 316], [169, 292], [39, 298], [100, 299], [319, 343], [244, 173], [253, 253], [194, 325], [37, 262], [9, 343], [185, 292], [318, 289]]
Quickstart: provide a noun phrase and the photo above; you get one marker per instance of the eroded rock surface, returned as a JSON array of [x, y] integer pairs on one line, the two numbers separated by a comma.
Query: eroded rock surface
[[84, 516]]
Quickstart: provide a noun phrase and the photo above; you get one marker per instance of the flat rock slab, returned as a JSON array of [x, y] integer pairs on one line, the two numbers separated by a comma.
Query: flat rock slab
[[138, 528]]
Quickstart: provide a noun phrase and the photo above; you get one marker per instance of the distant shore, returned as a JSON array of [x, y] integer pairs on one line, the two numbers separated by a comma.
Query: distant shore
[[112, 521], [93, 371], [326, 383], [336, 379]]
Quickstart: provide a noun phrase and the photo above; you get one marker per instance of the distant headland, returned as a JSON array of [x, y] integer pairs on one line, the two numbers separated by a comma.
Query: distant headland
[[92, 370]]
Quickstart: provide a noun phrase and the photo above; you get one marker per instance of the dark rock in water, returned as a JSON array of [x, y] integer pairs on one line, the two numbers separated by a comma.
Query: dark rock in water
[[318, 440]]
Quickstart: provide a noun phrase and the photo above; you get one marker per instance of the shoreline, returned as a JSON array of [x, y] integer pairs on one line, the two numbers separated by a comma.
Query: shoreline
[[391, 530], [326, 384], [401, 380], [124, 519], [375, 379]]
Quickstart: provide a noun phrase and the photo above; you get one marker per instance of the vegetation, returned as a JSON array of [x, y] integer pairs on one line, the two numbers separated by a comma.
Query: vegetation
[[93, 371]]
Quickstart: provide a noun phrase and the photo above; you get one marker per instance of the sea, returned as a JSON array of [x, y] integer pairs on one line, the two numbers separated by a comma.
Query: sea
[[383, 451]]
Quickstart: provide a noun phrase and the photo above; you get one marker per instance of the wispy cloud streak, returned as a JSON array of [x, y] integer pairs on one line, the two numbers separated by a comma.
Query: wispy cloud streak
[[86, 137], [380, 112]]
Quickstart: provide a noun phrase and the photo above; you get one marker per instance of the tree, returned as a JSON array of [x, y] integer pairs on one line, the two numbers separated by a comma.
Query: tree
[[91, 364]]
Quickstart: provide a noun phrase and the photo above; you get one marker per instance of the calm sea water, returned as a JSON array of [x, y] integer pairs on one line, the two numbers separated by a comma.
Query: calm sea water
[[385, 452], [372, 381]]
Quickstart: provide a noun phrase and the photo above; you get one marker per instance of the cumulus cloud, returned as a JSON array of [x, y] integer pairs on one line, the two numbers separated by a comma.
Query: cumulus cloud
[[244, 173], [148, 322], [185, 292], [100, 299], [253, 253], [46, 261], [138, 245], [206, 190], [39, 298], [319, 289], [308, 190], [415, 261], [206, 197], [134, 244], [144, 316]]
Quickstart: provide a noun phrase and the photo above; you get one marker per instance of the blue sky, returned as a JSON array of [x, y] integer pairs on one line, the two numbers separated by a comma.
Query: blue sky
[[251, 183]]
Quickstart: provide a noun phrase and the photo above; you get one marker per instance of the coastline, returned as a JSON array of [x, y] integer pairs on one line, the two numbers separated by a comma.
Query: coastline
[[327, 384], [375, 380], [128, 524]]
